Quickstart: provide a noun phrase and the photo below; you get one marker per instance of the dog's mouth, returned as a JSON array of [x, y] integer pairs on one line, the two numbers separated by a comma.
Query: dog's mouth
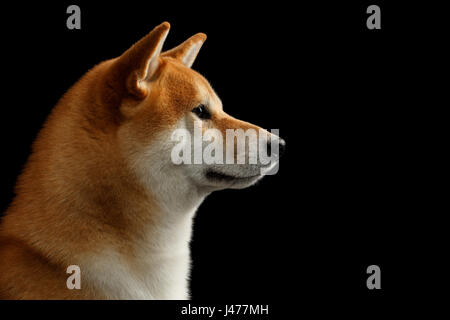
[[219, 176]]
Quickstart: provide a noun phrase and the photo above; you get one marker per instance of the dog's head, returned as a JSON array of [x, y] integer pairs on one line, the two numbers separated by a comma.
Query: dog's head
[[165, 105]]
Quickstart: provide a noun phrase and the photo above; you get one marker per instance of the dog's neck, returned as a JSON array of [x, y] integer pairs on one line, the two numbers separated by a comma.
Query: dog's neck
[[160, 264], [148, 255]]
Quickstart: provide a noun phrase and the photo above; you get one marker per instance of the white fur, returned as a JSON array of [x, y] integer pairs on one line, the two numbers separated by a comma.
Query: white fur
[[156, 273]]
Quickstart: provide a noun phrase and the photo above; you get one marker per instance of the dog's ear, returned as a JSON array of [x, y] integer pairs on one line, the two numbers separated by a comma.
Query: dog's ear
[[188, 50], [140, 62]]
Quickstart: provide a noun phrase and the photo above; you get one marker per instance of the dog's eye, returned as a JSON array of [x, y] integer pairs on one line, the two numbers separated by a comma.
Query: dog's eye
[[201, 112]]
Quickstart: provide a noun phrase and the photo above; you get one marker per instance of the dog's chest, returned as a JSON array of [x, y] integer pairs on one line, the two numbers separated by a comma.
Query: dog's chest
[[158, 268], [163, 276]]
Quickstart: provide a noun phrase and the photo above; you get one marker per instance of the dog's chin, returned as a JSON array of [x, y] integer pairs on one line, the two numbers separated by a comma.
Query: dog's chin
[[220, 180]]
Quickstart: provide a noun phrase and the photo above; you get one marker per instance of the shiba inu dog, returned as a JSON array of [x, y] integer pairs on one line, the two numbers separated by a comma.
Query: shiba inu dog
[[100, 191]]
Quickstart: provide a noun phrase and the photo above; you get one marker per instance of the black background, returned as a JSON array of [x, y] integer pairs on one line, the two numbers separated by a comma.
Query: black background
[[339, 93]]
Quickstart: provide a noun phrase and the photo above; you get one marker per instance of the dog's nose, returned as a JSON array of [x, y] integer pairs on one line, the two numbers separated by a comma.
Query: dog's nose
[[281, 147]]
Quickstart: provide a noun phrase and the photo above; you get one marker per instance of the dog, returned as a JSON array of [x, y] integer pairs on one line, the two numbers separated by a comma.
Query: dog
[[99, 190]]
